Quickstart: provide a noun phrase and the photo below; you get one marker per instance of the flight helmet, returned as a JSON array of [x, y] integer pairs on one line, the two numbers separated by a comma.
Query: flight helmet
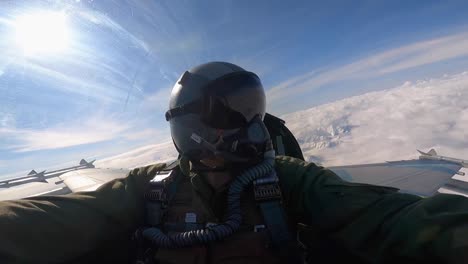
[[216, 109]]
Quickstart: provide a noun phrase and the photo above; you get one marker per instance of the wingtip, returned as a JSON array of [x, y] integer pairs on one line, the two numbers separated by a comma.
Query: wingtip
[[432, 152], [83, 162]]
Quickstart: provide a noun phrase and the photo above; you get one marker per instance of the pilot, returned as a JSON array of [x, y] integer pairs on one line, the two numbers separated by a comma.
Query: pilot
[[232, 199]]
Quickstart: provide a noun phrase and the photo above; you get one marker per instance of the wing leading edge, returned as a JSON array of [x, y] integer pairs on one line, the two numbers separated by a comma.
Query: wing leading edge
[[422, 177]]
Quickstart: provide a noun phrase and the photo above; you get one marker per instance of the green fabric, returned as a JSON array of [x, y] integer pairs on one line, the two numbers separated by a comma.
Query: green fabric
[[375, 223], [56, 229]]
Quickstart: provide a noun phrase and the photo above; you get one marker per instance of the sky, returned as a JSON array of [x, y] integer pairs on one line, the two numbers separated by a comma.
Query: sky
[[92, 79]]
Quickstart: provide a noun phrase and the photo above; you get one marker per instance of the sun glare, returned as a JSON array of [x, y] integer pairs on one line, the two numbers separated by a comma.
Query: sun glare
[[43, 32]]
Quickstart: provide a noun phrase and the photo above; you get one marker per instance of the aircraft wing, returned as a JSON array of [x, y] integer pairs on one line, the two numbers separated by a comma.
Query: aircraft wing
[[420, 177], [33, 189], [91, 179], [423, 177], [42, 183], [72, 181]]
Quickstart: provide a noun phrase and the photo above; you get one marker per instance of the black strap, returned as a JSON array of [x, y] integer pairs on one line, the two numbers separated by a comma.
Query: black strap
[[268, 197], [192, 107], [163, 192], [274, 217]]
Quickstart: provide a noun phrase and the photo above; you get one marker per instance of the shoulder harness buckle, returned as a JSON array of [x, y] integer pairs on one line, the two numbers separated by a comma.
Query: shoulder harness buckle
[[157, 186], [267, 188]]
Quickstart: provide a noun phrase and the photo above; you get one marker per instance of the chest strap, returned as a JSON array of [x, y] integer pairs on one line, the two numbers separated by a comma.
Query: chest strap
[[268, 197], [160, 191]]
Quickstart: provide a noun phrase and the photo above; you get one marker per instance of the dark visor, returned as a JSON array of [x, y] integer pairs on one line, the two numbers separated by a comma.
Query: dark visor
[[214, 108]]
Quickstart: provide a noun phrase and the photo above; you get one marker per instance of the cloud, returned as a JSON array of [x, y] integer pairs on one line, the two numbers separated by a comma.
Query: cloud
[[391, 61], [6, 21], [104, 20], [428, 52], [74, 84], [88, 130], [157, 101], [387, 125], [141, 156], [64, 135], [148, 133]]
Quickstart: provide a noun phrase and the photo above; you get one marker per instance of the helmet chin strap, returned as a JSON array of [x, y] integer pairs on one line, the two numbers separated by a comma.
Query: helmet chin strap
[[245, 146]]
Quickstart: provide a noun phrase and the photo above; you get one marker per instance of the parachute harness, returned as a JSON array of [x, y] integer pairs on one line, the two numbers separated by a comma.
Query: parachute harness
[[233, 218]]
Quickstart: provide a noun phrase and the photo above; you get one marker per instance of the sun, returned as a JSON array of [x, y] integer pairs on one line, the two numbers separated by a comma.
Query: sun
[[42, 32]]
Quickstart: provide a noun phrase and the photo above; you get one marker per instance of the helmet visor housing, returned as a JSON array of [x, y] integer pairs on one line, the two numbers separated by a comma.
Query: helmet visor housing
[[227, 103]]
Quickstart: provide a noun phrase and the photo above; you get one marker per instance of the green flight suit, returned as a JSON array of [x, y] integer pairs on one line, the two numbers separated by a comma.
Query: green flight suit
[[374, 223]]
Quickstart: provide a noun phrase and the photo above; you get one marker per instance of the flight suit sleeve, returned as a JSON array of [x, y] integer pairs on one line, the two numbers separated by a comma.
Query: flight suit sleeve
[[58, 229], [376, 223]]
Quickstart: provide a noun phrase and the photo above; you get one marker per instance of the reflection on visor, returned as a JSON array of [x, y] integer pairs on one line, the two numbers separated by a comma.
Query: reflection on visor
[[218, 115], [213, 109], [213, 112]]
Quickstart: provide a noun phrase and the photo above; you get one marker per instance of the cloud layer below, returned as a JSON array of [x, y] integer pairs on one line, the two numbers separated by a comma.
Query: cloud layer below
[[387, 125], [140, 157]]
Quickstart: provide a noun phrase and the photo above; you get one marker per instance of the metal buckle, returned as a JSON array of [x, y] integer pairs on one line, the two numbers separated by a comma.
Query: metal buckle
[[267, 189], [258, 228], [161, 177], [210, 224], [157, 187], [156, 194]]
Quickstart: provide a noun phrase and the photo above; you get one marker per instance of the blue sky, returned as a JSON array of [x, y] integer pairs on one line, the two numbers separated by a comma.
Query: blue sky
[[103, 87]]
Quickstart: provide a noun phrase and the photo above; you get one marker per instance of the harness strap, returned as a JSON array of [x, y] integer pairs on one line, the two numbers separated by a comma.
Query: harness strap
[[162, 189], [275, 223], [160, 192], [268, 197]]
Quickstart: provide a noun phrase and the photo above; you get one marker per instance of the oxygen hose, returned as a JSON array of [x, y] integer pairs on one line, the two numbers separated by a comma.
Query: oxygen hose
[[233, 217]]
